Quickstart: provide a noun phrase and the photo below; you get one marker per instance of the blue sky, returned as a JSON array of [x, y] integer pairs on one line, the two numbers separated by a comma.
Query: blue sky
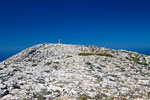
[[107, 23]]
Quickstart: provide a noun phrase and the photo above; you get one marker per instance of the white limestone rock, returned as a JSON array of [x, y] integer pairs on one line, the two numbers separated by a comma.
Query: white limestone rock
[[57, 71]]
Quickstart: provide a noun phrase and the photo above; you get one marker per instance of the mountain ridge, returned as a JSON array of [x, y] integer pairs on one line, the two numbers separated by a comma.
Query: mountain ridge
[[75, 72]]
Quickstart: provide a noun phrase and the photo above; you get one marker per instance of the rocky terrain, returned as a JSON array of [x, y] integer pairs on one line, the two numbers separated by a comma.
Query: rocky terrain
[[75, 72]]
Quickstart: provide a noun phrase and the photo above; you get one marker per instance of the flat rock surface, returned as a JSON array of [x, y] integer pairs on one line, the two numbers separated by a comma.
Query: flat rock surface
[[61, 72]]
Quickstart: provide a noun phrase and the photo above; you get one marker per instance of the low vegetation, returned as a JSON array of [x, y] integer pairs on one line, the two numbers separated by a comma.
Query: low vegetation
[[94, 53], [68, 56], [84, 97], [136, 59]]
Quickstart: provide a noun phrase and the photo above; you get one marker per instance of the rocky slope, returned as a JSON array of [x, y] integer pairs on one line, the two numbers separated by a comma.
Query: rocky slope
[[75, 72]]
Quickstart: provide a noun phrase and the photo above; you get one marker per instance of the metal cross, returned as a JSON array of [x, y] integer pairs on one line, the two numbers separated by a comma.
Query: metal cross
[[59, 41]]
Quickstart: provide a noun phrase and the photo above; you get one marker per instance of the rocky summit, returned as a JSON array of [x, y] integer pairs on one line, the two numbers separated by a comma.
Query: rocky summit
[[75, 72]]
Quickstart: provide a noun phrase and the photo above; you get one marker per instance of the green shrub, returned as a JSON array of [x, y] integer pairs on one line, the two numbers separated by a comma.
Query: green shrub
[[137, 60], [93, 53]]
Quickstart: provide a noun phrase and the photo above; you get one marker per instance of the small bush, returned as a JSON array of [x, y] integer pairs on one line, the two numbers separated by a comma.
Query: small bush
[[93, 53]]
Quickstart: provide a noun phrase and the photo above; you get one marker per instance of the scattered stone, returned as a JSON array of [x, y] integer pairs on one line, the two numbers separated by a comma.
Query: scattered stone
[[3, 86], [58, 72], [7, 97], [3, 93]]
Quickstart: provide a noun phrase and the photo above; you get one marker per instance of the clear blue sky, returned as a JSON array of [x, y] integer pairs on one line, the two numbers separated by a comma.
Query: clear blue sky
[[108, 23]]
